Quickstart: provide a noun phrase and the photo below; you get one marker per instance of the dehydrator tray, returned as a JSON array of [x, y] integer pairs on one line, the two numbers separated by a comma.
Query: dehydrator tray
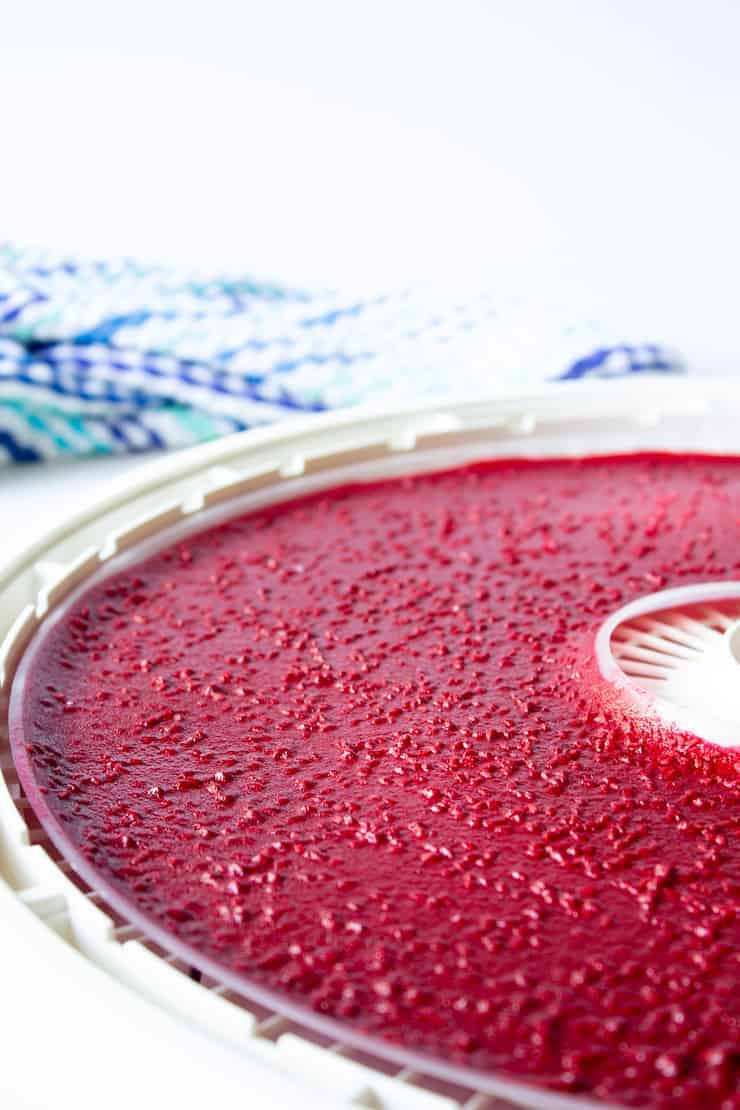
[[184, 493]]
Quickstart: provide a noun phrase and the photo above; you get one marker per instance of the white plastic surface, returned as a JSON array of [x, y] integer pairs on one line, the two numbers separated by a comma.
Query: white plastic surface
[[77, 1039], [732, 636], [184, 491], [675, 652]]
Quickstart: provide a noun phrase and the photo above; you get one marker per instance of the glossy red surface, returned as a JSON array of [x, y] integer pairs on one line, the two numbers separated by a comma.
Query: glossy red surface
[[356, 747]]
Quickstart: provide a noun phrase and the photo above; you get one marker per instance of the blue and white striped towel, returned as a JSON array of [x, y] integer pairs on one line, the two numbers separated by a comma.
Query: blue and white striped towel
[[115, 357]]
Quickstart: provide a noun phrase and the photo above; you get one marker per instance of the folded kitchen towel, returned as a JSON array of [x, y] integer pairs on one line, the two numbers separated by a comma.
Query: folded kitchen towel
[[115, 357]]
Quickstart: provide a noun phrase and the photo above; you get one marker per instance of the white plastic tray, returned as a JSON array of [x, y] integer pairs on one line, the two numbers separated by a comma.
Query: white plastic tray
[[189, 490]]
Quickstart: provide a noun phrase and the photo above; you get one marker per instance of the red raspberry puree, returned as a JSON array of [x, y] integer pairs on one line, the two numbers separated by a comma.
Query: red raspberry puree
[[356, 748]]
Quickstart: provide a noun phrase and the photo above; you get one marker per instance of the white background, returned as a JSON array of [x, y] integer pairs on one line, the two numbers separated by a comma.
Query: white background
[[515, 142], [511, 141], [374, 141]]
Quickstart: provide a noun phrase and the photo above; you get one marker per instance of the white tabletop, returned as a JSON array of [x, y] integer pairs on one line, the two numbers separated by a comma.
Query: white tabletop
[[34, 498]]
